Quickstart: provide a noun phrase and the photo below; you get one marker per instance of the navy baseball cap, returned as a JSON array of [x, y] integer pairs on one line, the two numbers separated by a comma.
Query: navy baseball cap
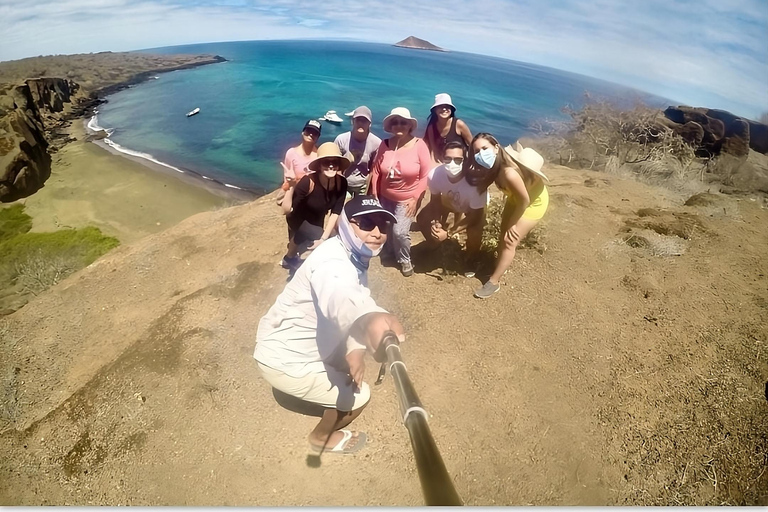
[[366, 205]]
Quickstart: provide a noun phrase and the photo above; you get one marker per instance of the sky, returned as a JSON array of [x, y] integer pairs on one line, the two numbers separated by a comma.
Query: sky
[[708, 53]]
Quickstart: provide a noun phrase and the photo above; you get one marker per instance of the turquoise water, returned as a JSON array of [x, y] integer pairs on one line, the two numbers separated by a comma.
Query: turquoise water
[[254, 106]]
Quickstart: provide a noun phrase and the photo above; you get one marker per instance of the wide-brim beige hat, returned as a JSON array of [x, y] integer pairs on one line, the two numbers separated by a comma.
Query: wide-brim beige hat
[[527, 158], [400, 112], [328, 150]]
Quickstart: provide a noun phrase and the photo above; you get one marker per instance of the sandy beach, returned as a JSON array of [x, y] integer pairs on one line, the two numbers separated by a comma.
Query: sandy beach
[[127, 197]]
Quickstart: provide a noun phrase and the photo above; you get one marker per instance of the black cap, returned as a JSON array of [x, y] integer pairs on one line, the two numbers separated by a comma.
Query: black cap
[[314, 124], [365, 205]]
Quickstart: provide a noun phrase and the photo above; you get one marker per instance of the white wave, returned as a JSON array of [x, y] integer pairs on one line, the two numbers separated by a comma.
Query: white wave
[[139, 154], [232, 186]]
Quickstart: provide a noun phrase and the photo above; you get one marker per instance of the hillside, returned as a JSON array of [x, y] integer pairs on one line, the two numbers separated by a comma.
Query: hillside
[[622, 363]]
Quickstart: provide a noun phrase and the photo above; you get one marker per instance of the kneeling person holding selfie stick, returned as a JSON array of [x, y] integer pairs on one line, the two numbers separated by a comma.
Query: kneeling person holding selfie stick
[[311, 343]]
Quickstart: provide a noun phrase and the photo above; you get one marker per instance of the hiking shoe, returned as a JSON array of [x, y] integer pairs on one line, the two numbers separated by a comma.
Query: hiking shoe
[[406, 269], [290, 263], [487, 290]]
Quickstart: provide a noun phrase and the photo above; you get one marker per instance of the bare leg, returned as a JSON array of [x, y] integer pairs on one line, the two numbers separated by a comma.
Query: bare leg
[[476, 222], [326, 433], [507, 253]]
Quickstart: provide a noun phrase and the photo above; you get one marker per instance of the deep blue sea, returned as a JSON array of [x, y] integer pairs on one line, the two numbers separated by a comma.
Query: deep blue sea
[[253, 108]]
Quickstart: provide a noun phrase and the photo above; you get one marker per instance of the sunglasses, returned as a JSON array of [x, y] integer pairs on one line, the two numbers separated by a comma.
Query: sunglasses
[[335, 162], [312, 133], [368, 222], [458, 159], [396, 122]]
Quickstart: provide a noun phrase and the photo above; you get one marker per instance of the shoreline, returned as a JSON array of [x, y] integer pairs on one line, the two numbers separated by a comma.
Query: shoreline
[[125, 197], [188, 176]]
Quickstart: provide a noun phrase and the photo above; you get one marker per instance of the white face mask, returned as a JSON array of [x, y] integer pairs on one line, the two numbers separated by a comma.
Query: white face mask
[[453, 169]]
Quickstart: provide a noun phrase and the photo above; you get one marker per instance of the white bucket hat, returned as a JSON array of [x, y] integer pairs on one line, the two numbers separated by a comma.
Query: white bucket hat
[[443, 99], [527, 158], [400, 112]]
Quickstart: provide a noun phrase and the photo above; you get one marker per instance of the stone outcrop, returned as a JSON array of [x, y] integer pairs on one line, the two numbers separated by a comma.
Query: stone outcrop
[[714, 131], [29, 111]]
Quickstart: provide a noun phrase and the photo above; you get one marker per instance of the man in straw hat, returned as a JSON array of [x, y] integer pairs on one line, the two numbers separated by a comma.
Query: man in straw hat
[[517, 172], [311, 343], [359, 145]]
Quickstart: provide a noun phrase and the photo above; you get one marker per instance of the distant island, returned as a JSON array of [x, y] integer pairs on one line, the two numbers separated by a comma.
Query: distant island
[[418, 44]]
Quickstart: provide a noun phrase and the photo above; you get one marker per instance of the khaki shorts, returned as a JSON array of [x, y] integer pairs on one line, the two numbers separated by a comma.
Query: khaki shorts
[[332, 389]]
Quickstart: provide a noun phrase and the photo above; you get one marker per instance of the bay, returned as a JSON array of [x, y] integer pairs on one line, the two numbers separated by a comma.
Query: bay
[[253, 107]]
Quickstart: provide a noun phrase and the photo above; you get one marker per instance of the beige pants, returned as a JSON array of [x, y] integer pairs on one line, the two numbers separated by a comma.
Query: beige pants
[[332, 388]]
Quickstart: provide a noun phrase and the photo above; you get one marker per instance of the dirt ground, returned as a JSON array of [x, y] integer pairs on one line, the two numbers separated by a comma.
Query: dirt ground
[[624, 362]]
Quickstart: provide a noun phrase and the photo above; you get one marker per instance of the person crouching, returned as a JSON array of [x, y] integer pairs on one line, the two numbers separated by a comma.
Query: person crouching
[[312, 341], [450, 192]]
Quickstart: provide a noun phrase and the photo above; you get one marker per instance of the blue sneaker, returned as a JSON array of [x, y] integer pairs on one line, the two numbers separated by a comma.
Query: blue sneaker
[[487, 290], [290, 263]]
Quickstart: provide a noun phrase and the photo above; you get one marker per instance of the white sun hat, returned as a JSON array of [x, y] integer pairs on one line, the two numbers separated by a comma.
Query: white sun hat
[[527, 158], [443, 99], [400, 112]]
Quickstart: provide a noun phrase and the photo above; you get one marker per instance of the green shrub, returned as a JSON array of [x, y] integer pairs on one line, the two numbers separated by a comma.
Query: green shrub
[[13, 221], [37, 261]]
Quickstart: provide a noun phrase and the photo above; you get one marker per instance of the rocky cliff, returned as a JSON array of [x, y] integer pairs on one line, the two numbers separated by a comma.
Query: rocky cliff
[[27, 113]]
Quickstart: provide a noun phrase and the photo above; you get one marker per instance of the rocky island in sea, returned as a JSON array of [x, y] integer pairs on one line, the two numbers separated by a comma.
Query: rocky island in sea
[[418, 44]]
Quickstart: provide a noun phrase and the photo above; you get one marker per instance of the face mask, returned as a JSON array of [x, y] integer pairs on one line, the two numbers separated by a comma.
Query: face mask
[[486, 157], [453, 169], [360, 254]]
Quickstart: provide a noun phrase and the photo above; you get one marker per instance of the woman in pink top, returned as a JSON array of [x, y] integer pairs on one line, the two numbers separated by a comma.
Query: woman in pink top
[[399, 179], [297, 158]]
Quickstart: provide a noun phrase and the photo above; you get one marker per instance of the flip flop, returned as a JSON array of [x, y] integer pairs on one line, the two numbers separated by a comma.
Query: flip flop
[[342, 447]]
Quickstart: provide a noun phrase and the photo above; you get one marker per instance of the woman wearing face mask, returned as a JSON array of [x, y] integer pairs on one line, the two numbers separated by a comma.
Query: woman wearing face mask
[[312, 341], [451, 193], [316, 194], [517, 173], [399, 179], [443, 127]]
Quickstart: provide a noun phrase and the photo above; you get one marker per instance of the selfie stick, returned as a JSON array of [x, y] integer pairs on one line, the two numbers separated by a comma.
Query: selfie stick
[[436, 484]]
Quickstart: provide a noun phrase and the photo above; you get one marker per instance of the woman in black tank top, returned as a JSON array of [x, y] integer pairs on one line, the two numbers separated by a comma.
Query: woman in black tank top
[[444, 127]]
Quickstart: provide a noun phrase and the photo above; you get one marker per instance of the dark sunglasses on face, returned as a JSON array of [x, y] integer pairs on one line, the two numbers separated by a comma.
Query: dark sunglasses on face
[[368, 222], [331, 162], [458, 159], [311, 133], [396, 122]]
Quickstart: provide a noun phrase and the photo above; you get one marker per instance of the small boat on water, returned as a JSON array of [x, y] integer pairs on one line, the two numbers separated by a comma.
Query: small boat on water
[[196, 111], [332, 117], [350, 113]]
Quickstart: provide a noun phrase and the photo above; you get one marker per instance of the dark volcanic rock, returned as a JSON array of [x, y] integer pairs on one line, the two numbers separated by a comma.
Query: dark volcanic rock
[[691, 132], [722, 131], [736, 141]]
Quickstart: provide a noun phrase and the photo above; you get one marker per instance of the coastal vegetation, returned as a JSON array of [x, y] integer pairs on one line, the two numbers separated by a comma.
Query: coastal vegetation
[[33, 262]]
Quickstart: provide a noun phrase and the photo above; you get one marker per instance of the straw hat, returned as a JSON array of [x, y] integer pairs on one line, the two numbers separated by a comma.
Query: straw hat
[[527, 158], [443, 99], [400, 112], [328, 150]]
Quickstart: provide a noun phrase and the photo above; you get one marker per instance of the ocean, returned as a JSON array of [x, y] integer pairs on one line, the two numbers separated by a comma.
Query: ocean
[[253, 107]]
